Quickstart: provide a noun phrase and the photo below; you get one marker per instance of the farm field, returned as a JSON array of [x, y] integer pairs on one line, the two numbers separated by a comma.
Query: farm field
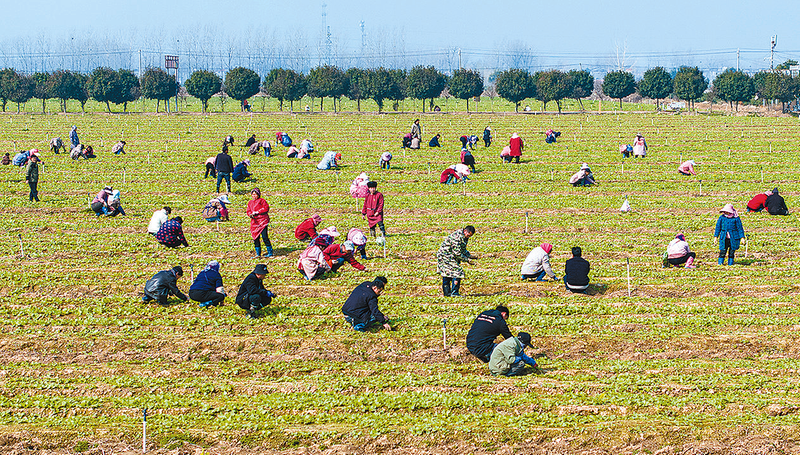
[[693, 361]]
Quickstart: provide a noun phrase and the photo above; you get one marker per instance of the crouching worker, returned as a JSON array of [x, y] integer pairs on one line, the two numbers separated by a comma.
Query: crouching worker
[[312, 264], [361, 307], [336, 255], [678, 253], [550, 136], [252, 296], [307, 229], [330, 160], [576, 272], [537, 264], [240, 173], [775, 204], [100, 203], [170, 234], [509, 359], [207, 288], [687, 168], [216, 209], [583, 177], [484, 331], [162, 285], [385, 160], [359, 239]]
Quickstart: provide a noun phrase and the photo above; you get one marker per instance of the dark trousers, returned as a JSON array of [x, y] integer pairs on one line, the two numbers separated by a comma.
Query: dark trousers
[[727, 249], [380, 226], [509, 159], [204, 296], [227, 177], [253, 302], [34, 195], [682, 259], [264, 235], [574, 291], [210, 170]]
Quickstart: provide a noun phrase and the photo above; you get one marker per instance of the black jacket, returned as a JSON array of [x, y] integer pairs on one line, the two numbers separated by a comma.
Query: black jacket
[[487, 326], [224, 163], [776, 205], [363, 304], [576, 271], [252, 286], [163, 280]]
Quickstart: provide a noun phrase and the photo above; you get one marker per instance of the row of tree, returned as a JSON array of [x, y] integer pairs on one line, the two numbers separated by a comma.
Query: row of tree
[[421, 83]]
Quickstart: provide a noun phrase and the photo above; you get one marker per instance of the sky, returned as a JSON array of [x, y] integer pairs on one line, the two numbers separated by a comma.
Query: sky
[[559, 33]]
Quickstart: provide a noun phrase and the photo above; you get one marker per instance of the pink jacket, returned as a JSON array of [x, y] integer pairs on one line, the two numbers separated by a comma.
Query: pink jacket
[[311, 259], [677, 248], [686, 167]]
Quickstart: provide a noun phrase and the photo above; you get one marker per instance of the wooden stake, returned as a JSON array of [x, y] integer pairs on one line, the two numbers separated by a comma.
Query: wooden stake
[[444, 333], [21, 251], [526, 222]]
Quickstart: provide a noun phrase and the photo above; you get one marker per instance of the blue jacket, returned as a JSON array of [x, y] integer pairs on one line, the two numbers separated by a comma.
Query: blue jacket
[[727, 225], [207, 280], [240, 172]]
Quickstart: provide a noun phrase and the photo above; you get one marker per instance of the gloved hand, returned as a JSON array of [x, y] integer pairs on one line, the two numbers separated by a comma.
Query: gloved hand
[[271, 294]]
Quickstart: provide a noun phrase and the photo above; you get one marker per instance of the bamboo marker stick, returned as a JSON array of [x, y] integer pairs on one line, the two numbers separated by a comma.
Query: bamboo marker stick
[[144, 430], [21, 251], [444, 333], [628, 263]]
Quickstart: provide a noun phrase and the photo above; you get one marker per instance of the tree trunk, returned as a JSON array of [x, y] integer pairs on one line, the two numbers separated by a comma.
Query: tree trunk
[[358, 102], [125, 106], [544, 106], [580, 101], [205, 104], [108, 107], [321, 100], [558, 103], [620, 104], [43, 106], [516, 107], [157, 103], [467, 105], [291, 106], [17, 108], [423, 106], [280, 104]]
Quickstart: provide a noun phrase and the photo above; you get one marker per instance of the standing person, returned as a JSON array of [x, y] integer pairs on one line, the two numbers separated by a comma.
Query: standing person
[[451, 253], [73, 136], [516, 145], [687, 168], [678, 252], [307, 229], [639, 146], [211, 167], [162, 285], [730, 232], [361, 307], [252, 295], [487, 137], [576, 272], [509, 359], [775, 204], [329, 160], [258, 211], [170, 234], [224, 166], [758, 203], [372, 211], [100, 202], [159, 217], [207, 289], [416, 130], [32, 177], [537, 264], [484, 331], [118, 148]]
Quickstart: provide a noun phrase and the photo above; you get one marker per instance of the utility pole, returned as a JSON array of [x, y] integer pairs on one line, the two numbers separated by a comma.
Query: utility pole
[[772, 52], [737, 59], [459, 58], [140, 76]]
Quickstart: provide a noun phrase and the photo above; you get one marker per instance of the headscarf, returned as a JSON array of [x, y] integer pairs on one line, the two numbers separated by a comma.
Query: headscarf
[[224, 199], [212, 265], [316, 219], [330, 230], [547, 247], [322, 241], [338, 156], [585, 166], [680, 237], [729, 211], [692, 163], [349, 246], [246, 162], [514, 136], [257, 191], [359, 239]]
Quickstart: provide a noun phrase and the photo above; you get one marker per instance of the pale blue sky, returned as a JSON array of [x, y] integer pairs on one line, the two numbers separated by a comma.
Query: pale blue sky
[[559, 33]]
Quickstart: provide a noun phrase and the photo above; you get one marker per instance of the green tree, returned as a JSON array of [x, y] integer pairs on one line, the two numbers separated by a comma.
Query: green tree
[[425, 82], [689, 84], [41, 90], [82, 95], [381, 84], [656, 84], [775, 85], [241, 83], [103, 85], [203, 85], [734, 86], [65, 85], [465, 84], [515, 85], [285, 85], [553, 85], [326, 81], [129, 89], [8, 82], [357, 81], [398, 92], [582, 83], [158, 85], [619, 84], [786, 65], [22, 92]]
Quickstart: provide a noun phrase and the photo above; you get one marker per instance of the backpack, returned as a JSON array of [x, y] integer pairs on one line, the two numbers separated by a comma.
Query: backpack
[[21, 158], [286, 140]]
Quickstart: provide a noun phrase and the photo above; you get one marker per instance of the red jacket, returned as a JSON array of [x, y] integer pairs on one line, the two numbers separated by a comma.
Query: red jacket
[[516, 146], [306, 230], [373, 208], [757, 202], [337, 251], [261, 220]]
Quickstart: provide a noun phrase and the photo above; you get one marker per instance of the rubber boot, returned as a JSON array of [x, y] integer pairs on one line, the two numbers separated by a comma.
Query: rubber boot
[[446, 287], [383, 231], [269, 251], [456, 288], [258, 251], [689, 263], [372, 231], [730, 259], [721, 260]]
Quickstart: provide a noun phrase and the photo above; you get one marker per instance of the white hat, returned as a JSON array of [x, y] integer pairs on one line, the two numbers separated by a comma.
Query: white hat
[[585, 166], [330, 230], [223, 198], [349, 246]]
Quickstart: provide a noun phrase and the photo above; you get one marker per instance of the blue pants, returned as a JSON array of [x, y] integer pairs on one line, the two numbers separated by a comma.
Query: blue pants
[[535, 277], [360, 326], [227, 177]]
